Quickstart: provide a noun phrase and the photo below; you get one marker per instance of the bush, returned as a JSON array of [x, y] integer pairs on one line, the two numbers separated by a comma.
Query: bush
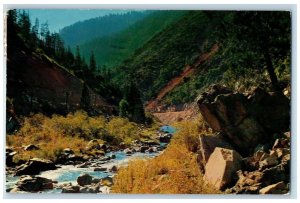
[[73, 131], [175, 171]]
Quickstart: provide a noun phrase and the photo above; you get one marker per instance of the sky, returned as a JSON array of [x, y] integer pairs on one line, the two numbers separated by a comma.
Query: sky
[[59, 18]]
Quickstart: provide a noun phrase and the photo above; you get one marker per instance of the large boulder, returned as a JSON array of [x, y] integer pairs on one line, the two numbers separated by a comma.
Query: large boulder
[[245, 120], [35, 166], [34, 184], [31, 147], [221, 168], [207, 144], [84, 179], [9, 157]]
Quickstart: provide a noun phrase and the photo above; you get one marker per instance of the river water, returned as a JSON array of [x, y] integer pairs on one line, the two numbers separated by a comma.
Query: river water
[[70, 173]]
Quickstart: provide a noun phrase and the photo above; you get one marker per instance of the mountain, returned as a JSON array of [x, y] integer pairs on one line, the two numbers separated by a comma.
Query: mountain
[[166, 54], [111, 50], [206, 47], [82, 31], [37, 83]]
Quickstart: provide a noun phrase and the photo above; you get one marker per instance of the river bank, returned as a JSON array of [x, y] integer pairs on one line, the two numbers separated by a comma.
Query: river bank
[[101, 170]]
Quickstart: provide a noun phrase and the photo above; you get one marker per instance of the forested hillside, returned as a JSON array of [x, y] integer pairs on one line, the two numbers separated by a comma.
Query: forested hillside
[[245, 56], [111, 50], [83, 31]]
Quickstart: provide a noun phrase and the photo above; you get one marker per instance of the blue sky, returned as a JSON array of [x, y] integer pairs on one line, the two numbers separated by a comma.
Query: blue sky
[[59, 18]]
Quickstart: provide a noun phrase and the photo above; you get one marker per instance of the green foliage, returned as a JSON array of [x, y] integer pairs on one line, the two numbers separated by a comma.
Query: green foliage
[[113, 49], [135, 110], [123, 108], [83, 31], [241, 61], [50, 45], [165, 55], [85, 100]]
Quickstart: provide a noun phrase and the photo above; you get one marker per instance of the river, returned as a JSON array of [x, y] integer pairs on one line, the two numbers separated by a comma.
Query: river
[[70, 173]]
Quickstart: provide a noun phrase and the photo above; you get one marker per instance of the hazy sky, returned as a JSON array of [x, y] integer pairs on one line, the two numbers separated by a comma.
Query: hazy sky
[[59, 18]]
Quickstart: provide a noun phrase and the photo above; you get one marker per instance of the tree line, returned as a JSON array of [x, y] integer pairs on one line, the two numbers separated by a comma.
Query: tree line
[[37, 37]]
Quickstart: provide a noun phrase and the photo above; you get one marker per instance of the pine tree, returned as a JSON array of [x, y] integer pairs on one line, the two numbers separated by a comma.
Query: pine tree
[[93, 65], [136, 111], [123, 108], [85, 101]]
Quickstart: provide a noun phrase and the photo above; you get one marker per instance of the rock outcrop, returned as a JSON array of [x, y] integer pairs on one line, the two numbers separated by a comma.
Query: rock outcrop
[[245, 121], [33, 184], [35, 166]]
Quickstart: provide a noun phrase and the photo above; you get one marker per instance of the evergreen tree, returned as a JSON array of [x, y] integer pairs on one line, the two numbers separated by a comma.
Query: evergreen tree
[[78, 61], [123, 108], [135, 105], [93, 65], [85, 101], [256, 38], [25, 25]]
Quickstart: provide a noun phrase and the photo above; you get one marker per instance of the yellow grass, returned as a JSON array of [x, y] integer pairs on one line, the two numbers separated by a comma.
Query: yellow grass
[[174, 172], [74, 131]]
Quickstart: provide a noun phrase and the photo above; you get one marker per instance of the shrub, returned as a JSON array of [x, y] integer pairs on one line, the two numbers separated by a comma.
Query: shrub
[[73, 131], [175, 171]]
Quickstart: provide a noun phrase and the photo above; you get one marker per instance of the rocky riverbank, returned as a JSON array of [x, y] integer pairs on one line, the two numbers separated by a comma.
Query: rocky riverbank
[[91, 172]]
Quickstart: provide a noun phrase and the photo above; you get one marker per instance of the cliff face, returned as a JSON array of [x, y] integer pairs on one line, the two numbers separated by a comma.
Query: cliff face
[[36, 83]]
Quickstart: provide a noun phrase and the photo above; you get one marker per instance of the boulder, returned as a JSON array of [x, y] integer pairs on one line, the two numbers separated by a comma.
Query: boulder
[[143, 149], [245, 121], [127, 151], [83, 165], [281, 143], [207, 144], [268, 161], [104, 147], [68, 151], [84, 179], [9, 158], [105, 189], [122, 145], [100, 169], [277, 188], [71, 189], [90, 189], [113, 169], [112, 156], [221, 168], [34, 184], [165, 138], [31, 147], [35, 166], [107, 181], [93, 144]]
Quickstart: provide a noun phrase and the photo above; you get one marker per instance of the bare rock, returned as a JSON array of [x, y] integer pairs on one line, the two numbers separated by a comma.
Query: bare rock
[[35, 166], [100, 169], [71, 189], [221, 168], [34, 184], [245, 121], [277, 188], [207, 144], [31, 147], [84, 179]]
